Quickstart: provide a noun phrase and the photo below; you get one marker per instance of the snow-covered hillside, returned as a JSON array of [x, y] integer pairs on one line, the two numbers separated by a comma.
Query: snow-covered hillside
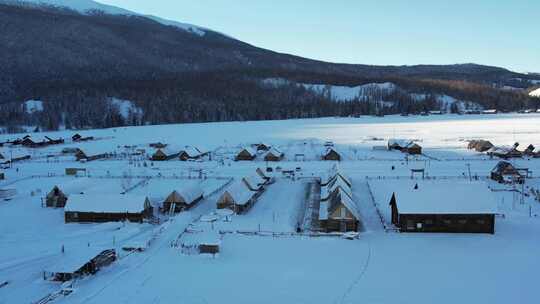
[[535, 93], [86, 6]]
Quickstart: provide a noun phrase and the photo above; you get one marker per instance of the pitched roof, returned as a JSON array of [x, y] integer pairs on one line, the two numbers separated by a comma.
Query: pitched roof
[[73, 260], [190, 193], [249, 150], [239, 192], [106, 203], [444, 198], [254, 181]]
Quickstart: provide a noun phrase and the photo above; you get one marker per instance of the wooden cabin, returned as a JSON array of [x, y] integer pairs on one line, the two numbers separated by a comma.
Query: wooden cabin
[[191, 153], [246, 154], [338, 213], [90, 154], [274, 155], [56, 198], [451, 207], [505, 172], [405, 146], [331, 154], [167, 153], [90, 208], [82, 262], [480, 145], [37, 141], [505, 152], [529, 151], [183, 199], [238, 198]]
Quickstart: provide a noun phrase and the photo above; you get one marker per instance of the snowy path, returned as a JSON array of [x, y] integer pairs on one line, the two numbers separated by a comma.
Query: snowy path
[[370, 219]]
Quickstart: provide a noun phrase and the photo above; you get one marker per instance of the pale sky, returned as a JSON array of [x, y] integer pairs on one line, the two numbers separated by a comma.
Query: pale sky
[[385, 32]]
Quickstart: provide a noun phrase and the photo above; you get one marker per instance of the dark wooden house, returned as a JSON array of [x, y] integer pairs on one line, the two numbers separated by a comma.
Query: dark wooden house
[[480, 145], [189, 153], [338, 213], [444, 207], [90, 154], [56, 198], [78, 138], [238, 197], [246, 154], [89, 208], [505, 172], [274, 155], [331, 154], [183, 199], [167, 153]]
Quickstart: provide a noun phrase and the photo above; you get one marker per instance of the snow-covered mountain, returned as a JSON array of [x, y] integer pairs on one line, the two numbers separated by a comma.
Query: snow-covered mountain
[[86, 6]]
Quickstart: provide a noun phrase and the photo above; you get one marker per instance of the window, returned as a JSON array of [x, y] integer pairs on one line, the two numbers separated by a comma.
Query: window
[[418, 225], [447, 222], [343, 213], [480, 221], [410, 225], [462, 221], [428, 222], [75, 214]]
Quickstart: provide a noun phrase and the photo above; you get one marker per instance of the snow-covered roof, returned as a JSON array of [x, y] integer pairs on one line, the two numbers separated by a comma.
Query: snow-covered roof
[[399, 142], [249, 150], [72, 260], [274, 152], [444, 198], [106, 203], [192, 151], [190, 193], [254, 181], [76, 186], [351, 206], [91, 149], [336, 183], [169, 150], [201, 238], [240, 192]]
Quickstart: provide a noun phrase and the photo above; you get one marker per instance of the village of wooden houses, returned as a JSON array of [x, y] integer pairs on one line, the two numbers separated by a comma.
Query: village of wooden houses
[[81, 212]]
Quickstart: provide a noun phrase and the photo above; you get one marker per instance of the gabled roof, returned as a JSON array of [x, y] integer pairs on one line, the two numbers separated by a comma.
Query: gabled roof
[[73, 260], [254, 181], [190, 193], [444, 198], [169, 150], [106, 203], [274, 152], [192, 151], [240, 193], [330, 150], [504, 167], [402, 143], [249, 150]]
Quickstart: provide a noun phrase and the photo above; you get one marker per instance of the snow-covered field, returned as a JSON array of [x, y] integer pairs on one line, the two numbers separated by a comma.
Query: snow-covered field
[[379, 267]]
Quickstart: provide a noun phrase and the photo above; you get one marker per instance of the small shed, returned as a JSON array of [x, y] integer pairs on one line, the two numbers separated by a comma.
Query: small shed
[[480, 145], [237, 197], [56, 198], [274, 155], [201, 242], [331, 154], [72, 265], [246, 154], [183, 199], [462, 207], [98, 208], [505, 172]]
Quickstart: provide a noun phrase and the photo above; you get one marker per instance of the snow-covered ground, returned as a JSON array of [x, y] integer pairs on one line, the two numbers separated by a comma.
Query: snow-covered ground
[[379, 267]]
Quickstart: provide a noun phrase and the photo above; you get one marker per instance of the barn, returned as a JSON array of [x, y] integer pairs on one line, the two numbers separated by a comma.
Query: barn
[[183, 199], [98, 208], [331, 154], [73, 265], [505, 172], [91, 153], [238, 198], [166, 153], [273, 155], [456, 207], [246, 154]]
